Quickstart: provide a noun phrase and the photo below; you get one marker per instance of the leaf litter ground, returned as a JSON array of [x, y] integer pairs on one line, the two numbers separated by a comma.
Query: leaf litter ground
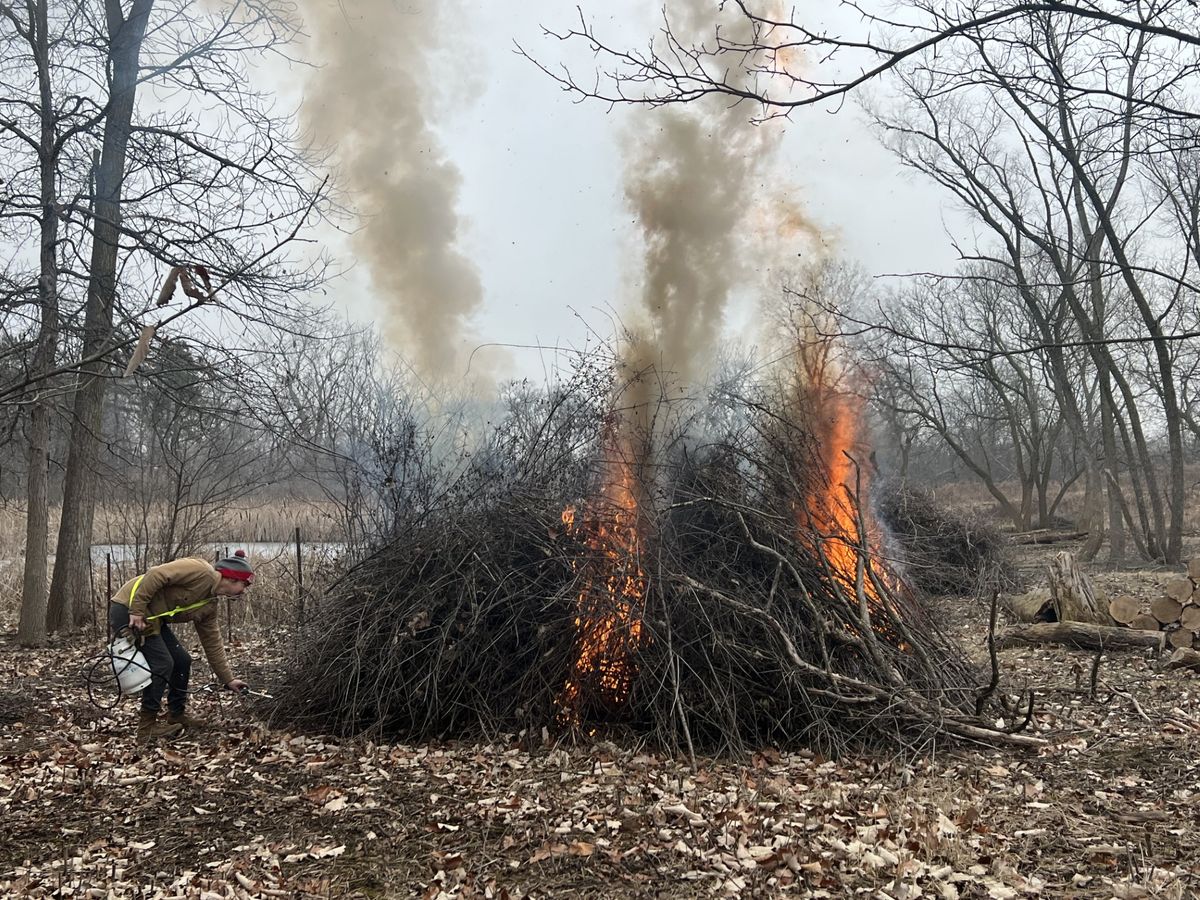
[[1110, 808]]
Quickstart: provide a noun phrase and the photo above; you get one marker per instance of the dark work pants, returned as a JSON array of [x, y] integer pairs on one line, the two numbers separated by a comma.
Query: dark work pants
[[170, 665]]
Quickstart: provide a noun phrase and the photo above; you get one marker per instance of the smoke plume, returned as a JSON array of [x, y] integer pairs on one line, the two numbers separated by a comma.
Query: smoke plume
[[710, 207], [370, 104]]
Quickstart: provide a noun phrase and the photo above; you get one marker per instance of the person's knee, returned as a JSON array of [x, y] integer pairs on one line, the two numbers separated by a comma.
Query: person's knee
[[183, 663]]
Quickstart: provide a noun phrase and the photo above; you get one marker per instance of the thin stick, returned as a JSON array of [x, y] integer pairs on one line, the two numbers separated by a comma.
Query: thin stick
[[984, 695]]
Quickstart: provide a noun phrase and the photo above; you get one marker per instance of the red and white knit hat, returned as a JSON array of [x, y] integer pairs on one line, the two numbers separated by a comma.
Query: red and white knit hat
[[236, 567]]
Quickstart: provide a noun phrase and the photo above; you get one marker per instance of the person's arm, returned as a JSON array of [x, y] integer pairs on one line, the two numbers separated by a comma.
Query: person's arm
[[208, 629]]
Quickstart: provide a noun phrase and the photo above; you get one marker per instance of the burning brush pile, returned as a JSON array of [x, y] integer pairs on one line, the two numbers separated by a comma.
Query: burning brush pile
[[596, 575]]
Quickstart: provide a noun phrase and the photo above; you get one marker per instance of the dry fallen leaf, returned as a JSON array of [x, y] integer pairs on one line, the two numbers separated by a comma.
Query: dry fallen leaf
[[317, 852]]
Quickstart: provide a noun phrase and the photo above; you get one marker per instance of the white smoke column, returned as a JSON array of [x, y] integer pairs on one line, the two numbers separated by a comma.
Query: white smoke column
[[700, 180], [369, 103], [688, 181]]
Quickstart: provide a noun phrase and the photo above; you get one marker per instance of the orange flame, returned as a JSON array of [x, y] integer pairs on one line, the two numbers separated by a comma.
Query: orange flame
[[830, 518], [612, 597]]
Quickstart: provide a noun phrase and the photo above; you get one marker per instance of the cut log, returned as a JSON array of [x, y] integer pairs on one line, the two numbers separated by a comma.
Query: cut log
[[1124, 609], [1074, 598], [1181, 637], [1179, 589], [1180, 659], [1144, 622], [1081, 636], [1190, 618], [1194, 569], [1166, 610]]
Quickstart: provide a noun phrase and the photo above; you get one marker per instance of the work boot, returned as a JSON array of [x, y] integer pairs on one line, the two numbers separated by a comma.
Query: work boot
[[150, 728], [190, 722]]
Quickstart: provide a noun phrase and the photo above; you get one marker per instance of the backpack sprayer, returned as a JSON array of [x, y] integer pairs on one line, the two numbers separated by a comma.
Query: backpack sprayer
[[128, 664]]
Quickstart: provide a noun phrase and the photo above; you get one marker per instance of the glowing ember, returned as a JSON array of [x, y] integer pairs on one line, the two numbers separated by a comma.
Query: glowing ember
[[612, 596]]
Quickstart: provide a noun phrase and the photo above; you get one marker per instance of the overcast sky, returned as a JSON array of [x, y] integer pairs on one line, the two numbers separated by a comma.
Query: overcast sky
[[543, 216]]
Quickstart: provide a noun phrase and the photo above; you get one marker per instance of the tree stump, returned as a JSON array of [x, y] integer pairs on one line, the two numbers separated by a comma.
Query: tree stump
[[1074, 598]]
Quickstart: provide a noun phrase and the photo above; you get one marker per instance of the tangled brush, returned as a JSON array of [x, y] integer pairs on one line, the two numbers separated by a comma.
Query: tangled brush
[[717, 624], [943, 552]]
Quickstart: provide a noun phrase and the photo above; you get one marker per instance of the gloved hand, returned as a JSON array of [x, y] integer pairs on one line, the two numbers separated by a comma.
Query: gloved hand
[[237, 686]]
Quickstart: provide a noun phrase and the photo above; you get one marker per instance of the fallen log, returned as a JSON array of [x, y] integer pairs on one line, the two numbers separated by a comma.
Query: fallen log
[[1179, 589], [1081, 635], [1144, 622], [1181, 638], [1033, 606], [1166, 610], [1046, 536]]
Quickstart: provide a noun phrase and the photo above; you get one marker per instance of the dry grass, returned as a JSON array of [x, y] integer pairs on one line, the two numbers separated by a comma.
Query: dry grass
[[270, 521], [276, 594], [274, 520]]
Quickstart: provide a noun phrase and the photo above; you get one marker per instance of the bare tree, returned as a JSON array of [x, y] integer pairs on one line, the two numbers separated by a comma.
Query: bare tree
[[802, 59], [350, 427], [215, 197], [40, 117], [124, 34], [182, 459], [998, 413], [1056, 182]]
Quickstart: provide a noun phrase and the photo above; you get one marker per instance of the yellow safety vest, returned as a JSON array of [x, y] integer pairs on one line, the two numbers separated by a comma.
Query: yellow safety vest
[[170, 612]]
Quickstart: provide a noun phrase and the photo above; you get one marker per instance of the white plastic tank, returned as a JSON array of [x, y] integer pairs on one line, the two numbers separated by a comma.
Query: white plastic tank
[[129, 666]]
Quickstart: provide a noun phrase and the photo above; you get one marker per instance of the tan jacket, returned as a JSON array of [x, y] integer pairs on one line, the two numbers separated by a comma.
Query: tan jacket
[[164, 592]]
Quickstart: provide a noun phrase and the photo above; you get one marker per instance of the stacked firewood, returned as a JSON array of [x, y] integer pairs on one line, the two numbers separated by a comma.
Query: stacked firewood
[[1176, 611]]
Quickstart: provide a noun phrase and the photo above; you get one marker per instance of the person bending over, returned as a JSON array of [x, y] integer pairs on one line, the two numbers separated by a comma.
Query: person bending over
[[184, 590]]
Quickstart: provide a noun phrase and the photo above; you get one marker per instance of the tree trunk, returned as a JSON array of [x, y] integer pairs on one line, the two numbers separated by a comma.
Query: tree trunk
[[70, 587], [1092, 519], [1116, 518], [31, 632]]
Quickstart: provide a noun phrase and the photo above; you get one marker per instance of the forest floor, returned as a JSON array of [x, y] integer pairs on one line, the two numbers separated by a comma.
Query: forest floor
[[1110, 807]]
